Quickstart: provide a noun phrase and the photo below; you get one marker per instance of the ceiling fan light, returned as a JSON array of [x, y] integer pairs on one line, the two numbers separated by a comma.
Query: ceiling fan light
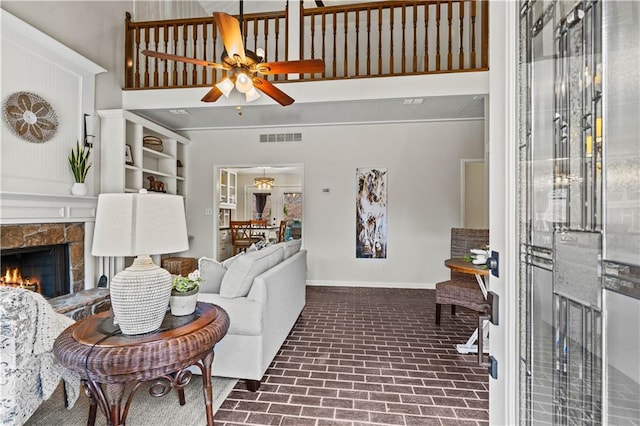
[[225, 86], [252, 95], [243, 83], [260, 52]]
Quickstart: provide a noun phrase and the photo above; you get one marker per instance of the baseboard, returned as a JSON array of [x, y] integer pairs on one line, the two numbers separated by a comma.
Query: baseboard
[[321, 283]]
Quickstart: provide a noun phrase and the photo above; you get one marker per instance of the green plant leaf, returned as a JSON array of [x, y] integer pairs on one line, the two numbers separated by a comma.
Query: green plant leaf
[[79, 162]]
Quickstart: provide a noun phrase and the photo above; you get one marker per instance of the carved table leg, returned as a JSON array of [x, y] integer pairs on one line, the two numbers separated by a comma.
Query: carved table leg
[[206, 386], [93, 402], [114, 392]]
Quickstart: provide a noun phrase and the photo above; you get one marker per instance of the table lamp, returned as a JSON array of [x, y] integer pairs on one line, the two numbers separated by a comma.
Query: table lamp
[[140, 225]]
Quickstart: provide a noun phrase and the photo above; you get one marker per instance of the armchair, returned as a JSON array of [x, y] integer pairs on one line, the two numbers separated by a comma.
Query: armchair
[[462, 289], [29, 372]]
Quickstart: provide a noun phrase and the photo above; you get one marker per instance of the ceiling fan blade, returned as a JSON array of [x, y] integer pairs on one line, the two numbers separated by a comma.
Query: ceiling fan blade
[[284, 67], [184, 59], [229, 28], [272, 91], [212, 95]]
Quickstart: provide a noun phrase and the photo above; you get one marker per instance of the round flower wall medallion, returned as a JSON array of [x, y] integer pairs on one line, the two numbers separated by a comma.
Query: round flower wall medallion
[[30, 117]]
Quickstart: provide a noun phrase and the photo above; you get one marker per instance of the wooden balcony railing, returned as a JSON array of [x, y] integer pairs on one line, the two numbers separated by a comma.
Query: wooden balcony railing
[[194, 38], [387, 38]]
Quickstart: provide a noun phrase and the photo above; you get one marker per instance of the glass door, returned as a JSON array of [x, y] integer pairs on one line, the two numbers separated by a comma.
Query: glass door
[[579, 180]]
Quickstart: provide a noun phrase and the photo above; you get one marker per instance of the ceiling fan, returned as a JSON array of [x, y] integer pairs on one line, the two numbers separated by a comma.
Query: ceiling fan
[[244, 66]]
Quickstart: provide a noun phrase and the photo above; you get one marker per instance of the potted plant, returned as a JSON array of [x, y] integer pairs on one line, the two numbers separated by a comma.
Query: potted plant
[[184, 294], [80, 165]]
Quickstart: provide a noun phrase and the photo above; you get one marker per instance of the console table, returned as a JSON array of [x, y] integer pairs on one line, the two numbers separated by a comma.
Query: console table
[[107, 360]]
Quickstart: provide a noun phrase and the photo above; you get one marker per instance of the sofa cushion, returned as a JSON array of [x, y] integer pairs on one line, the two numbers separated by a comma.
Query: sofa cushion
[[227, 262], [239, 277], [291, 247], [211, 272]]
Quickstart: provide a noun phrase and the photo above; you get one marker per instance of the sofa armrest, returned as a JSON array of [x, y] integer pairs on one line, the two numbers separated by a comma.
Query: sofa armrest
[[245, 315], [282, 292], [276, 281]]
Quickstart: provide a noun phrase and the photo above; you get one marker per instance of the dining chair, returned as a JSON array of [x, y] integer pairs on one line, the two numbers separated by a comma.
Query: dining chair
[[281, 230], [462, 289], [241, 238], [259, 228]]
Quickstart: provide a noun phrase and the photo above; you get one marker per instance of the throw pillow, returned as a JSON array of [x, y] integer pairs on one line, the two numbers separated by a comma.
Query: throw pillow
[[291, 247], [228, 262], [211, 272], [239, 277]]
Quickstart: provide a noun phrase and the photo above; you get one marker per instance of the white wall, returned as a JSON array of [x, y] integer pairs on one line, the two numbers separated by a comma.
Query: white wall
[[33, 62], [423, 185], [84, 26]]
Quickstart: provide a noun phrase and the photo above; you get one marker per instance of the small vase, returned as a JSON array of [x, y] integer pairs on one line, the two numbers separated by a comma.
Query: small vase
[[183, 303], [79, 189]]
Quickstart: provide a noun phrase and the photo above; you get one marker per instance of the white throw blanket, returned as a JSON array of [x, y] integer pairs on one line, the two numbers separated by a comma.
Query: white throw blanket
[[49, 325]]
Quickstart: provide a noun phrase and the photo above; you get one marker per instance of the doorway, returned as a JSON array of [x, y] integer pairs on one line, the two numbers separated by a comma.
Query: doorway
[[474, 194], [259, 192], [579, 213]]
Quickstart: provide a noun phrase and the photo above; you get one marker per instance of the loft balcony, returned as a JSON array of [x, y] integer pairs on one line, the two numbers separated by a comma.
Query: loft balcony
[[364, 40], [427, 47]]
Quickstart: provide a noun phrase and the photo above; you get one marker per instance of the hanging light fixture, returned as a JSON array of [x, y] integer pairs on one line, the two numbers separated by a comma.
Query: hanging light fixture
[[242, 83], [225, 86], [263, 182]]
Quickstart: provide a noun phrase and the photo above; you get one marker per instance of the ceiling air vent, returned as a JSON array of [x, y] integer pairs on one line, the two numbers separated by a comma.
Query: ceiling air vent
[[280, 137]]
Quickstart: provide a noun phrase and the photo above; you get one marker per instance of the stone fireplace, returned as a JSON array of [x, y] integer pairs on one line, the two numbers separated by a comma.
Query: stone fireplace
[[65, 243], [38, 220]]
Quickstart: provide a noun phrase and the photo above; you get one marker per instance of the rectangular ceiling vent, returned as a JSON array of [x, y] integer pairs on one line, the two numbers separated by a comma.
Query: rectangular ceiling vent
[[280, 137]]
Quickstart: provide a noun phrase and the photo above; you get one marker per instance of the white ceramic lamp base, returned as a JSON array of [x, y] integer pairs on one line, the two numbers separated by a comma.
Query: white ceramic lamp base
[[140, 296]]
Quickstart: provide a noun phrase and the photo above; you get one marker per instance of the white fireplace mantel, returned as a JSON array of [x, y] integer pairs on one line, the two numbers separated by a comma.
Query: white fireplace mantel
[[21, 208], [25, 208]]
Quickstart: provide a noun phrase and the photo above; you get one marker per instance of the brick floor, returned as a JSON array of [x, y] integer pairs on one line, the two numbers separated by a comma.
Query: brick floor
[[368, 356]]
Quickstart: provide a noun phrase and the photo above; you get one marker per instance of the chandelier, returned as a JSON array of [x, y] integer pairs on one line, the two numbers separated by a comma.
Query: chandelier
[[263, 182]]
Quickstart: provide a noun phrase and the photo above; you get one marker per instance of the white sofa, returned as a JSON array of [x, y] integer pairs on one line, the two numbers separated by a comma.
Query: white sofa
[[263, 292]]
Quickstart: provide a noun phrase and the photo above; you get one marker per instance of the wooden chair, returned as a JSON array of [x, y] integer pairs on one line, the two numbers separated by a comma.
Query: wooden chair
[[281, 230], [241, 238], [259, 228], [462, 289]]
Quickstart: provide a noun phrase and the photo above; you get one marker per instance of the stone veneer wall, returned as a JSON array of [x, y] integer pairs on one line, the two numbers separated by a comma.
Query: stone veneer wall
[[82, 304], [30, 235]]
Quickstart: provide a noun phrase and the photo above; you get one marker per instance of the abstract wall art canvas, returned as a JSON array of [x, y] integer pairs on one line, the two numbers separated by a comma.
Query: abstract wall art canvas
[[371, 213]]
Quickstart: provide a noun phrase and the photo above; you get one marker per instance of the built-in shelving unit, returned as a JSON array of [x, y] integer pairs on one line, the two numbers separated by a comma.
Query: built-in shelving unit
[[123, 131]]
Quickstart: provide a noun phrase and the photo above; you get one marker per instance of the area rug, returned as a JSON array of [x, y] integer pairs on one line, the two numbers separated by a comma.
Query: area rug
[[144, 410]]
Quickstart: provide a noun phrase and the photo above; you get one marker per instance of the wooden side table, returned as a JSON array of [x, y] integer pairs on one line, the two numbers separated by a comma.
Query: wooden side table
[[107, 360], [460, 265]]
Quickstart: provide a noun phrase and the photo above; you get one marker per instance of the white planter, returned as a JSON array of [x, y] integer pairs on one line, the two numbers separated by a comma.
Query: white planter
[[79, 189], [183, 304]]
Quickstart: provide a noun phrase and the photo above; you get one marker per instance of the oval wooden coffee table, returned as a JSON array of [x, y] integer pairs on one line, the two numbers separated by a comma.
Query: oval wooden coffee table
[[107, 360]]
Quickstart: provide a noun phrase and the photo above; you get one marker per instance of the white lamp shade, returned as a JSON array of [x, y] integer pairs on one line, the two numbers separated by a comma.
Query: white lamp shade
[[225, 86], [243, 83], [252, 95], [139, 224], [90, 125]]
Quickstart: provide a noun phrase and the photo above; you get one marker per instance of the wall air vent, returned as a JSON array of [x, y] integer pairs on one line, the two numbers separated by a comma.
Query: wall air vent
[[280, 137]]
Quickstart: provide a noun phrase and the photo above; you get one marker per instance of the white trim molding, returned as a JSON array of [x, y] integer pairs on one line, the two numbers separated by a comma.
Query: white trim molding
[[371, 284]]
